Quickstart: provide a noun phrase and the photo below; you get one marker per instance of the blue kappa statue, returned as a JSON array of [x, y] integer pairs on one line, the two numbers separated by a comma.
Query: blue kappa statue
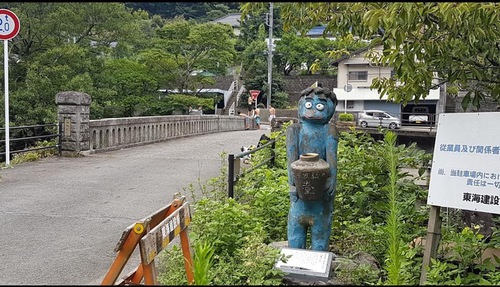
[[312, 134]]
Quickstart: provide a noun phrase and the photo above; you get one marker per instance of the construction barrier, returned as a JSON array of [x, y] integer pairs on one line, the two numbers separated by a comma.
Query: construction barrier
[[153, 234]]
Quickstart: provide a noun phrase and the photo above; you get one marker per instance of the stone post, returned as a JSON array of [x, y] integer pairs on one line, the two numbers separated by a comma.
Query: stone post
[[73, 109]]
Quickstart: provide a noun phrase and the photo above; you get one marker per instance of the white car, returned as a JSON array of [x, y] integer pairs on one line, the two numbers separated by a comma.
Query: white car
[[375, 118]]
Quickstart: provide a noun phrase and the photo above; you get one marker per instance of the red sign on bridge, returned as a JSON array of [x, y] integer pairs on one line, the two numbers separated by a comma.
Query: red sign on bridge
[[254, 93]]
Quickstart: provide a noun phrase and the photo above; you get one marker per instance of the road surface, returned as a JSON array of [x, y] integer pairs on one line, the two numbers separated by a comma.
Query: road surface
[[62, 217]]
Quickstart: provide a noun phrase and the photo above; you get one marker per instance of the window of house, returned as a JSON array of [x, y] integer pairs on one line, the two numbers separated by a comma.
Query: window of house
[[350, 104], [358, 76]]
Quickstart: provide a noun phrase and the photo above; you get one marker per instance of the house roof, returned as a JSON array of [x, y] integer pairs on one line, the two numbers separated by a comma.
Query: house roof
[[347, 56], [231, 19], [316, 31], [354, 53]]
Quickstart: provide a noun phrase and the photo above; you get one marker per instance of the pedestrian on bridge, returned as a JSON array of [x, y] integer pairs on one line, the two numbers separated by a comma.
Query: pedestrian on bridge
[[272, 114], [257, 117], [250, 105]]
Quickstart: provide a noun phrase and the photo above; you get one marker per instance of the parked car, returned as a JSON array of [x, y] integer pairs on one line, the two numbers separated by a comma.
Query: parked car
[[419, 115], [375, 118]]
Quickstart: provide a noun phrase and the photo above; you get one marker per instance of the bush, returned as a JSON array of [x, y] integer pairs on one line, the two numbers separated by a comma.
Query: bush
[[236, 253], [346, 117]]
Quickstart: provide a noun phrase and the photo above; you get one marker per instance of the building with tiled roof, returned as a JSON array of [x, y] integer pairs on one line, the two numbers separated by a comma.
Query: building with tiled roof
[[231, 19]]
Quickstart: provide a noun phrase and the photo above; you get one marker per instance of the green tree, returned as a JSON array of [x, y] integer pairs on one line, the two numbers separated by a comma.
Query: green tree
[[294, 51], [254, 16], [427, 43], [160, 65], [62, 46], [193, 47], [65, 68], [199, 11], [127, 77], [129, 82], [47, 24]]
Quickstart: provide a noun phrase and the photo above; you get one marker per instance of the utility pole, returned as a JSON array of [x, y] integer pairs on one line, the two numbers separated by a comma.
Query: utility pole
[[270, 55], [441, 106]]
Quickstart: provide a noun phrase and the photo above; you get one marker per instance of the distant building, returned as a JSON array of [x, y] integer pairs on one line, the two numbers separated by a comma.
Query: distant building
[[317, 32], [231, 19], [358, 72]]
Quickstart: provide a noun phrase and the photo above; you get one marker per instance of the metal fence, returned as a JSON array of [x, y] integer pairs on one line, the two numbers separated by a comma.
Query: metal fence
[[27, 137], [234, 164]]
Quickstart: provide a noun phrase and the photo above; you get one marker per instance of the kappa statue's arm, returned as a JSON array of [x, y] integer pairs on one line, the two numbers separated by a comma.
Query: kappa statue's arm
[[331, 159], [292, 150]]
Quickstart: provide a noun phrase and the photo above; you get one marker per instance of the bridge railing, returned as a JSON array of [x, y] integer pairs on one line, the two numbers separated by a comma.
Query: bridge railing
[[109, 134], [80, 134], [28, 136], [228, 93]]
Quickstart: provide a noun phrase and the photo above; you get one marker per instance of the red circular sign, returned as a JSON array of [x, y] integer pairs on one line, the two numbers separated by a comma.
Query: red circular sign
[[9, 24]]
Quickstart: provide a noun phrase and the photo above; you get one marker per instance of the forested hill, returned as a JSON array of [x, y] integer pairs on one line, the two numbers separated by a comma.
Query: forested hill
[[201, 11]]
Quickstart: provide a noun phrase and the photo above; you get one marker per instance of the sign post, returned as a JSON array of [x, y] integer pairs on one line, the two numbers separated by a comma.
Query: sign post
[[255, 94], [347, 88], [9, 28], [465, 173]]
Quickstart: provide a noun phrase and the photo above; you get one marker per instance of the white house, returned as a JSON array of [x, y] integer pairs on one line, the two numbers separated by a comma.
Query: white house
[[357, 71]]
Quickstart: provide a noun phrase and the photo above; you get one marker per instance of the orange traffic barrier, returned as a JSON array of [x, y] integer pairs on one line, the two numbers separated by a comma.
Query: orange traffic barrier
[[152, 234]]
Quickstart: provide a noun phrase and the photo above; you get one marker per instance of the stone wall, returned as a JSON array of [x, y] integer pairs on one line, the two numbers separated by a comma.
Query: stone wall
[[294, 85], [488, 105]]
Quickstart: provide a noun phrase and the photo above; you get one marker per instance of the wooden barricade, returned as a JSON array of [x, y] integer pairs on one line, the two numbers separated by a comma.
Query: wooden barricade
[[152, 234]]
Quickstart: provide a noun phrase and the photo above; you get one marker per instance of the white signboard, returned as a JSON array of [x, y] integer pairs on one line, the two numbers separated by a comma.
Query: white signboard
[[306, 262], [466, 162]]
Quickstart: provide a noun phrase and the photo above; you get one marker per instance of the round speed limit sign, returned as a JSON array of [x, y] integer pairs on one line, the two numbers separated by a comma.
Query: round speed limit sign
[[9, 24]]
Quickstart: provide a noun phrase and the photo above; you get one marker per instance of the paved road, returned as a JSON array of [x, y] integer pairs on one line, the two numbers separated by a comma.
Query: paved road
[[62, 217]]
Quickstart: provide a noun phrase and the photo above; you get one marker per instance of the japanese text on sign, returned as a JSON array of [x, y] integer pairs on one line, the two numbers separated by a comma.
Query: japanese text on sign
[[465, 172]]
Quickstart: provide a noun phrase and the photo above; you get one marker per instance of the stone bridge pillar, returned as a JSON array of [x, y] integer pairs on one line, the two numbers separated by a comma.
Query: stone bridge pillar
[[73, 109]]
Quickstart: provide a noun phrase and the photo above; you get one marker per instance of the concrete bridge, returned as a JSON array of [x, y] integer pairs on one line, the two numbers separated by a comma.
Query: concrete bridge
[[82, 135], [62, 216]]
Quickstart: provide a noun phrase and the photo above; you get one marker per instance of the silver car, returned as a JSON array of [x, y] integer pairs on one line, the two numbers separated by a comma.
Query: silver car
[[375, 118]]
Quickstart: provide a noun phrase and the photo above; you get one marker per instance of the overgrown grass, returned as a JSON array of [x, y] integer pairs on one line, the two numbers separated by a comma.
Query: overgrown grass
[[378, 210]]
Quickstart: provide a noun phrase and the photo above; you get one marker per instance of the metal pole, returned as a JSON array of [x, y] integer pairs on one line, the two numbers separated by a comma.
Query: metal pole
[[6, 78], [347, 90], [59, 146], [230, 176], [270, 55]]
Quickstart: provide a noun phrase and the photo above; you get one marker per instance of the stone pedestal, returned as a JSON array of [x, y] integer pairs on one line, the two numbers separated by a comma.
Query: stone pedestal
[[73, 110]]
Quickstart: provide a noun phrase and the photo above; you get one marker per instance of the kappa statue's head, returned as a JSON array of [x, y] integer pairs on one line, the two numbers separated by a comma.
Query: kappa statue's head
[[316, 105]]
